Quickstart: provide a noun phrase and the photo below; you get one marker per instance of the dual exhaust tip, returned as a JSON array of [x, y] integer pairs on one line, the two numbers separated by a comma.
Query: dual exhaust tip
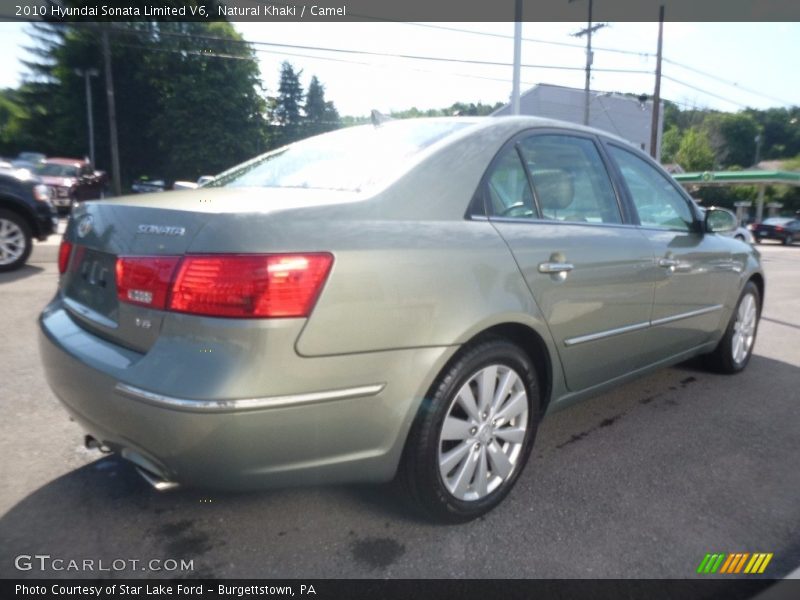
[[148, 471]]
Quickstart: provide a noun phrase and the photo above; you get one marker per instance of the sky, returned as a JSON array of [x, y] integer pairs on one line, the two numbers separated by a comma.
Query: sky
[[743, 64]]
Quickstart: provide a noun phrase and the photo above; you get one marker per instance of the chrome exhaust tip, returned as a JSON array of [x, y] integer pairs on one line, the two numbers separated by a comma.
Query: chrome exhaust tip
[[159, 484]]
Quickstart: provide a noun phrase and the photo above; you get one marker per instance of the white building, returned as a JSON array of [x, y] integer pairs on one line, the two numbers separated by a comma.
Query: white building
[[625, 116]]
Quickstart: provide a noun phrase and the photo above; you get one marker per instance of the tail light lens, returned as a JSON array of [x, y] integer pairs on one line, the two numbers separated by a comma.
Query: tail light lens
[[64, 252], [145, 280], [778, 228], [218, 285]]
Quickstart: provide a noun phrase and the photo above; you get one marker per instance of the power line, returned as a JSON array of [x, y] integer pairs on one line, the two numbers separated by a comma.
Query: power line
[[726, 81], [444, 59], [528, 39], [706, 92]]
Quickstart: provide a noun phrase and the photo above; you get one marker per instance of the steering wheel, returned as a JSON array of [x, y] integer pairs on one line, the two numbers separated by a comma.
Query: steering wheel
[[508, 209]]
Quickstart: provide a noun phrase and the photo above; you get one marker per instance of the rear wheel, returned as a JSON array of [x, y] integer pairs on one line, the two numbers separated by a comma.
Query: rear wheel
[[736, 347], [757, 239], [16, 241], [474, 432], [788, 239]]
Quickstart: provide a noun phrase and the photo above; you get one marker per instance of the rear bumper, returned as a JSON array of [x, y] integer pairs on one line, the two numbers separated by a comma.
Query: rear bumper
[[347, 422]]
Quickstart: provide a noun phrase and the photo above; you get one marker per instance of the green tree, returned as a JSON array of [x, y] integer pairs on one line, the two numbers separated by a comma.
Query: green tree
[[321, 115], [670, 144], [732, 138], [287, 110], [187, 97], [695, 153]]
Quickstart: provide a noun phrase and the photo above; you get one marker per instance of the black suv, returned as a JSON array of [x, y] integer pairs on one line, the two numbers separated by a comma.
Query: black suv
[[26, 212]]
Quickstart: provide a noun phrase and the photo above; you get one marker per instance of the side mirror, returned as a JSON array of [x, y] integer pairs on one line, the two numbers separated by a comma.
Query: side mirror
[[720, 220]]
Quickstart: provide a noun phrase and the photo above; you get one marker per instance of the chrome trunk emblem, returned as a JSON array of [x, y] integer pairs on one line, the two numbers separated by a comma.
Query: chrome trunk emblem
[[85, 225]]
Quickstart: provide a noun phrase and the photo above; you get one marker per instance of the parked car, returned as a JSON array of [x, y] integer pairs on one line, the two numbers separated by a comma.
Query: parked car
[[787, 230], [406, 300], [25, 213], [71, 180], [28, 160], [147, 185]]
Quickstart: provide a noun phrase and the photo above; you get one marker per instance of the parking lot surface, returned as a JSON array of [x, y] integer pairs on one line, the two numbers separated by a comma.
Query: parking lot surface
[[639, 482]]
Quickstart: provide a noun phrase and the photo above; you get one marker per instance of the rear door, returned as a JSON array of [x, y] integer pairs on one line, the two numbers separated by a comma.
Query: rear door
[[550, 196], [694, 271]]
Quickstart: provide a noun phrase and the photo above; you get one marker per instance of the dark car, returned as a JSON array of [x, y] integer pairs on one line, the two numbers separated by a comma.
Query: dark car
[[71, 180], [25, 213], [785, 229]]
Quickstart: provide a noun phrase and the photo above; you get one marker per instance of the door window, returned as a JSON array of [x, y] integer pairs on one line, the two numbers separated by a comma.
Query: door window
[[570, 179], [507, 188], [657, 201]]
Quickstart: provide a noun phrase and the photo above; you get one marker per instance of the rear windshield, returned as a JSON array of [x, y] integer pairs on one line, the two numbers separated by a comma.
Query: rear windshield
[[776, 221], [57, 170], [348, 159]]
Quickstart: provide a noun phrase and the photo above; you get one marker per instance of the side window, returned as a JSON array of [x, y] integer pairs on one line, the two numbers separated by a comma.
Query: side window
[[657, 201], [507, 188], [570, 179]]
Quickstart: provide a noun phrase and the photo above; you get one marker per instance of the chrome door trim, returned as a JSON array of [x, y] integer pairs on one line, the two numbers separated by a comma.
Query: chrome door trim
[[638, 326], [246, 403], [607, 333], [555, 267], [687, 315]]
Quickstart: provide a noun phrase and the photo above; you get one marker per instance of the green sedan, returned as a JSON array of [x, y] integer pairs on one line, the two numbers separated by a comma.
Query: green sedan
[[404, 300]]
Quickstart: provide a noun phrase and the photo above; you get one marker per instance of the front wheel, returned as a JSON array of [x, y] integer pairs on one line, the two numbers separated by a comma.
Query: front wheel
[[474, 432], [736, 346]]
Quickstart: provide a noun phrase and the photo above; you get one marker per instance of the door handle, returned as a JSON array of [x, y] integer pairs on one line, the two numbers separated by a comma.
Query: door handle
[[668, 263], [555, 267]]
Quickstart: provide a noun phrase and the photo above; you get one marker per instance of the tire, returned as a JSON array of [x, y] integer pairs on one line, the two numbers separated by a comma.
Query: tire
[[471, 445], [788, 239], [757, 239], [727, 357], [739, 237], [16, 241]]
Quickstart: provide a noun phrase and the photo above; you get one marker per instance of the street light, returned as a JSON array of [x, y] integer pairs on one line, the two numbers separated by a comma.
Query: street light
[[86, 74]]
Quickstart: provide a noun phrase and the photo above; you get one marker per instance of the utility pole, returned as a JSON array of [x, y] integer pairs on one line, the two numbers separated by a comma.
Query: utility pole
[[589, 57], [657, 92], [517, 56], [112, 116], [86, 74]]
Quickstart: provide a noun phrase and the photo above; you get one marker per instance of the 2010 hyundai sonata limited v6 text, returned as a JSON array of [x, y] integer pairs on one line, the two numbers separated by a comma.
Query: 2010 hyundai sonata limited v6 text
[[401, 300]]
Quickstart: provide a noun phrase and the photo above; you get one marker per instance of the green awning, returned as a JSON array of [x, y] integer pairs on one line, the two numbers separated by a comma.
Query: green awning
[[739, 177]]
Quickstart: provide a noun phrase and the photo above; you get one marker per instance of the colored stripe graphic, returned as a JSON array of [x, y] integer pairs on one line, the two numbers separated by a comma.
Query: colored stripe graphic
[[734, 562]]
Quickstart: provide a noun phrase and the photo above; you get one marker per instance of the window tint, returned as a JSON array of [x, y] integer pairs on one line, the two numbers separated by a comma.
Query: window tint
[[657, 201], [508, 190], [570, 179]]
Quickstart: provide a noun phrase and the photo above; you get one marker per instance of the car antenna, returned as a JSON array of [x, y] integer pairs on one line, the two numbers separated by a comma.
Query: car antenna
[[379, 118]]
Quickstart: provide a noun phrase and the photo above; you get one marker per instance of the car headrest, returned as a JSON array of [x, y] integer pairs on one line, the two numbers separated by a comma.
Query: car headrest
[[554, 188]]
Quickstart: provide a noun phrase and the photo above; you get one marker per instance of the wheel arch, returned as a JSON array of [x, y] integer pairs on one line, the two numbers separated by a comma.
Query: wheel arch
[[758, 280], [13, 205]]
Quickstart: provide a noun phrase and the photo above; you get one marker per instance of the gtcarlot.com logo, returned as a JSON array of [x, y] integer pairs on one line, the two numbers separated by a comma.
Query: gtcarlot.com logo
[[46, 562], [735, 563]]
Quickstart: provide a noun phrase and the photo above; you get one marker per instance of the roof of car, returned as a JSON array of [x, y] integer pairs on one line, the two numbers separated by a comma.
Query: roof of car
[[66, 161]]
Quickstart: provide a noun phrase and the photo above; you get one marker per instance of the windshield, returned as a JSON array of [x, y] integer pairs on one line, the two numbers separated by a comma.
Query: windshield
[[56, 170], [348, 159]]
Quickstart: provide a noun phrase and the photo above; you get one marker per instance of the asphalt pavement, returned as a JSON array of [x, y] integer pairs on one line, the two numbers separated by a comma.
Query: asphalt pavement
[[639, 482]]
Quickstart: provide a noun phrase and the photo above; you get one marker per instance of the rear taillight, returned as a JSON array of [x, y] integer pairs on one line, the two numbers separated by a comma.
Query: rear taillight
[[250, 285], [145, 280], [64, 252], [778, 228], [238, 285]]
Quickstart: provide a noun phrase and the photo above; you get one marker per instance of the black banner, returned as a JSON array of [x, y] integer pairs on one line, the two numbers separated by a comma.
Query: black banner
[[394, 10], [393, 589]]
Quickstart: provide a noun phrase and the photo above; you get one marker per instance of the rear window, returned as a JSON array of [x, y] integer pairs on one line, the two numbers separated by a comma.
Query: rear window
[[776, 221], [349, 159], [57, 170]]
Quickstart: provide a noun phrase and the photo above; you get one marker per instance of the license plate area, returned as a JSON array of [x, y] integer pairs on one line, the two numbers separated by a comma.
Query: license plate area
[[91, 282]]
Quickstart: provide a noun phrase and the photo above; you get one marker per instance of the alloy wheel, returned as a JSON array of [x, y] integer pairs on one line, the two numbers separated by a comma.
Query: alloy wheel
[[12, 242], [744, 328], [483, 432]]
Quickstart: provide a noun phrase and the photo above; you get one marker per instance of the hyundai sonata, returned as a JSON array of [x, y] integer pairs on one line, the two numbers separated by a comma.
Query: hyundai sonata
[[402, 300]]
